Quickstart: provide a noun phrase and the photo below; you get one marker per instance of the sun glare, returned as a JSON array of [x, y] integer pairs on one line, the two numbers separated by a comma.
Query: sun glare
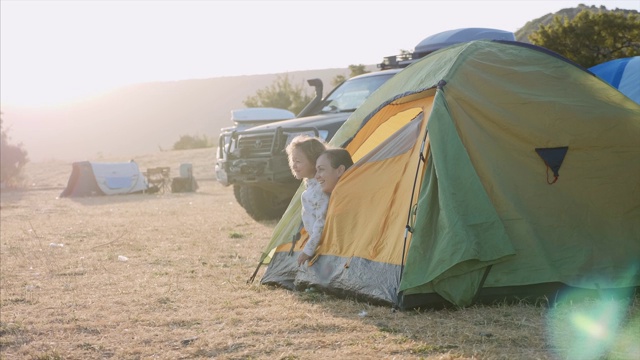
[[591, 329], [597, 325]]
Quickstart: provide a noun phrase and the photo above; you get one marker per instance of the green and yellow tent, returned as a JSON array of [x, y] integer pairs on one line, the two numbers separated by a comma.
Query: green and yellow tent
[[486, 170]]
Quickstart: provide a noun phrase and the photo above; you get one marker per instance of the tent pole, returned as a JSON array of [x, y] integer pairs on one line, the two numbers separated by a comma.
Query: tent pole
[[484, 277], [253, 276], [408, 228]]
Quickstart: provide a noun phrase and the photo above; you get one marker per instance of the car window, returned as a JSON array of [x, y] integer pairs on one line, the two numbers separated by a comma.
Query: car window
[[352, 93]]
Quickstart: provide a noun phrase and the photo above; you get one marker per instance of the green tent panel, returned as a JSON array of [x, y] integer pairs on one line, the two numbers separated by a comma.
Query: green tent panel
[[486, 170]]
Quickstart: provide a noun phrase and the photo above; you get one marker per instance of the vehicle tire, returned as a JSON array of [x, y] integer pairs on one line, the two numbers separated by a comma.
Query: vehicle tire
[[261, 204], [236, 193]]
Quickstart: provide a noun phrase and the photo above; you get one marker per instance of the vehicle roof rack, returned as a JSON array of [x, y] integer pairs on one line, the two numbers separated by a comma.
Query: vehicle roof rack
[[442, 40]]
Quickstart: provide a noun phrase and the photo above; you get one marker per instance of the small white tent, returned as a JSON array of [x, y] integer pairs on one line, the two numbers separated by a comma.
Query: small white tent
[[94, 179]]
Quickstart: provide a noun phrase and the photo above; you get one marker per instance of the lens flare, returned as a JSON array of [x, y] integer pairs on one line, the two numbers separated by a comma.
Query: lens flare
[[589, 329]]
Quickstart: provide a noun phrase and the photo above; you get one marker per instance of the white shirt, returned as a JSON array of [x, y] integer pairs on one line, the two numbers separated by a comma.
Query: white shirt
[[314, 213]]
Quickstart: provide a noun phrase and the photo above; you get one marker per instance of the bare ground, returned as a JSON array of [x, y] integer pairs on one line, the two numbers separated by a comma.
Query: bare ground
[[163, 276]]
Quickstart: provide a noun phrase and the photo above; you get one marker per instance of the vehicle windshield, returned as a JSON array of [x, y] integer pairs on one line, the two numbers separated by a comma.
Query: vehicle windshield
[[352, 93]]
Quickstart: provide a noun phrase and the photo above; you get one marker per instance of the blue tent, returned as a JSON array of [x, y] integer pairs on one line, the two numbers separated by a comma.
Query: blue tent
[[623, 74]]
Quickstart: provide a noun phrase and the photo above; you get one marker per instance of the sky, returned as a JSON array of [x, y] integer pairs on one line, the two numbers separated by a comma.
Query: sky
[[53, 52]]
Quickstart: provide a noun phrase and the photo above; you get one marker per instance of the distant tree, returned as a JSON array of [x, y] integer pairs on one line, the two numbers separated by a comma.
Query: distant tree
[[192, 142], [13, 158], [337, 80], [523, 33], [281, 94], [591, 38], [354, 70]]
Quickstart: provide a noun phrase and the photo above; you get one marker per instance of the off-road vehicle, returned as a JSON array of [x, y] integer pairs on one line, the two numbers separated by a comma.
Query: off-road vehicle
[[244, 119], [254, 160]]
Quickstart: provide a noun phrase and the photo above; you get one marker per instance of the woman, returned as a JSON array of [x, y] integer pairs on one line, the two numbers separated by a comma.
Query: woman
[[330, 166]]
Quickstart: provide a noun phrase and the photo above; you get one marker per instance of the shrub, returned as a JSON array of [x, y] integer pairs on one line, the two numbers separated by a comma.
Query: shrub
[[13, 158], [192, 142]]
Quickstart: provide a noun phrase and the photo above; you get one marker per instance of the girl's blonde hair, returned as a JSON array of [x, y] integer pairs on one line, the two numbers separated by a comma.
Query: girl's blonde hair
[[311, 147]]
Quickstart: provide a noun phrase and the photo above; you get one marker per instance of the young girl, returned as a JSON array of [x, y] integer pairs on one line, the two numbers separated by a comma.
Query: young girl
[[303, 151]]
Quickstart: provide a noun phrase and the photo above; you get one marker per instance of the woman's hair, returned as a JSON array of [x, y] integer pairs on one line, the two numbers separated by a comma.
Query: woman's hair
[[338, 157], [311, 147]]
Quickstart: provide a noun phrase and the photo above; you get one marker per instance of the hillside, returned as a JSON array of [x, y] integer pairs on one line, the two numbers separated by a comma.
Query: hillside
[[523, 33], [139, 119]]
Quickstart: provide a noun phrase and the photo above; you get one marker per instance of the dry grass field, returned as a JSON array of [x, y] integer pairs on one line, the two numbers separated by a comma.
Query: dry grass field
[[163, 276]]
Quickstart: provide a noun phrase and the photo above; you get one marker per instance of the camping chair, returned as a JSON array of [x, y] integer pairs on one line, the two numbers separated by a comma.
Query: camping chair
[[159, 178]]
